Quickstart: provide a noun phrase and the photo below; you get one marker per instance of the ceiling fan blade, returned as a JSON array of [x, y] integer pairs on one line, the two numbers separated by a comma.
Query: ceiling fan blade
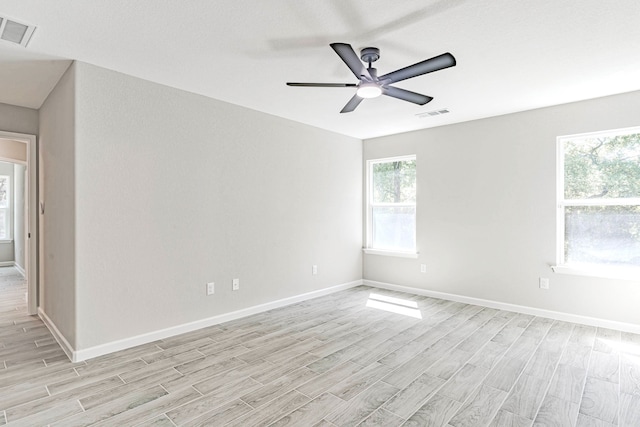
[[322, 84], [352, 104], [348, 55], [436, 63], [406, 95]]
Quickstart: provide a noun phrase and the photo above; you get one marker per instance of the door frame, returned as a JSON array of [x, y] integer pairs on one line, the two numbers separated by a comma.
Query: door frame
[[31, 213]]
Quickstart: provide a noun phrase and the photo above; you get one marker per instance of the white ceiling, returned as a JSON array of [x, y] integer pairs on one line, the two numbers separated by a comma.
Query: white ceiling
[[512, 55]]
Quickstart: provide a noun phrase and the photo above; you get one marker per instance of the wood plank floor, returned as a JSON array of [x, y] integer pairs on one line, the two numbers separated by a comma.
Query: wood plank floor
[[339, 360]]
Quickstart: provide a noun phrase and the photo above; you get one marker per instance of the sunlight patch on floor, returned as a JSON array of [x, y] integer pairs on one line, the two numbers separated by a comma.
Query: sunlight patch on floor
[[394, 305], [622, 347]]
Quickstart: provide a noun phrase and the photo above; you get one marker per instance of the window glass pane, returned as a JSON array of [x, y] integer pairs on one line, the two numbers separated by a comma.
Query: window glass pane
[[394, 182], [3, 224], [393, 228], [4, 187], [602, 235], [602, 167]]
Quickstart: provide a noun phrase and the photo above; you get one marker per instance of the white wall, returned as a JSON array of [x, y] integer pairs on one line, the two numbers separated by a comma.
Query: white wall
[[151, 192], [57, 230], [487, 215], [18, 119], [173, 190]]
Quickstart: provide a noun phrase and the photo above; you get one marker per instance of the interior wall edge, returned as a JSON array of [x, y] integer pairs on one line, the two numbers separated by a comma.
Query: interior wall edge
[[20, 269], [57, 335]]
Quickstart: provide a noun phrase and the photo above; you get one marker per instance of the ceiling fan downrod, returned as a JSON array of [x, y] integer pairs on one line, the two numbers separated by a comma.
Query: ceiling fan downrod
[[369, 55]]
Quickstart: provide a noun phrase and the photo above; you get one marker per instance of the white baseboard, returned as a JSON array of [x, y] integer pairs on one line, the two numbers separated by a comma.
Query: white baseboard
[[20, 269], [99, 350], [57, 335], [6, 263], [557, 315]]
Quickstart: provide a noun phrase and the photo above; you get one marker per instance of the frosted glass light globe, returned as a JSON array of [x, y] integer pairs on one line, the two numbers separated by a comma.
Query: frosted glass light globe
[[369, 90]]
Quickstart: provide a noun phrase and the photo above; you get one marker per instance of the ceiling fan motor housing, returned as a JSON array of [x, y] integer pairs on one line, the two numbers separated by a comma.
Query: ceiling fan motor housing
[[370, 54]]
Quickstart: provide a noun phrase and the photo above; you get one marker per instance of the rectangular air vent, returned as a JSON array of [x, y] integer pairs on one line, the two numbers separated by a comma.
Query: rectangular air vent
[[433, 113], [15, 32]]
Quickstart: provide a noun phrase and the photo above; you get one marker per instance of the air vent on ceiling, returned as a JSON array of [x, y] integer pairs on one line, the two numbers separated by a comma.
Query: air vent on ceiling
[[15, 32], [433, 113]]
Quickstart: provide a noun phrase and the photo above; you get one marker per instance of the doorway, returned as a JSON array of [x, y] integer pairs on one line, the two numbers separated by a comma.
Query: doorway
[[20, 150]]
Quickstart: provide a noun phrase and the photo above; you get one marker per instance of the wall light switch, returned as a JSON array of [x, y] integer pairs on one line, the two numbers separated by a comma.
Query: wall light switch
[[235, 284], [423, 268], [211, 288], [314, 270], [544, 283]]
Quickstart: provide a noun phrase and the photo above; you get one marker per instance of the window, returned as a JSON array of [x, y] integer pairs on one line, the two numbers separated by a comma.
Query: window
[[391, 199], [599, 199], [5, 208]]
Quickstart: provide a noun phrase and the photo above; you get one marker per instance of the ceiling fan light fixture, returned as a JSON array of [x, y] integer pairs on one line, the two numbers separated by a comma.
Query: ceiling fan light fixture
[[369, 90], [371, 86]]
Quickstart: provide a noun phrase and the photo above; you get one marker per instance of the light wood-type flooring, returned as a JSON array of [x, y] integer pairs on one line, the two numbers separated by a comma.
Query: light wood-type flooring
[[338, 360]]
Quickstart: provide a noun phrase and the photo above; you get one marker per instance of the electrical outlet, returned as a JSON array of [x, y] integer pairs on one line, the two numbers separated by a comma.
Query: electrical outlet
[[423, 268], [235, 285], [211, 288], [544, 283], [314, 270]]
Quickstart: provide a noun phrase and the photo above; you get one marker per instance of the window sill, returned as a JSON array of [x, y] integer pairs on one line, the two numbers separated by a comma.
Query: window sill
[[6, 241], [369, 251], [621, 273]]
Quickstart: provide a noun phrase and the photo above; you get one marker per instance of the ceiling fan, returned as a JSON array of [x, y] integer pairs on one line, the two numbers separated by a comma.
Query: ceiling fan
[[372, 86]]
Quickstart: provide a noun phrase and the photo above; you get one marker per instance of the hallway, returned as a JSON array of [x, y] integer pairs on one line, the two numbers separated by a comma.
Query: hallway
[[19, 331]]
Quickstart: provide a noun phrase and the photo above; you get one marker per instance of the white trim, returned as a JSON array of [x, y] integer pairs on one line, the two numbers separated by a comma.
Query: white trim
[[370, 205], [31, 262], [20, 269], [562, 203], [628, 201], [370, 251], [393, 205], [612, 272], [392, 159], [57, 335], [7, 263], [557, 315], [559, 201], [611, 132], [110, 347]]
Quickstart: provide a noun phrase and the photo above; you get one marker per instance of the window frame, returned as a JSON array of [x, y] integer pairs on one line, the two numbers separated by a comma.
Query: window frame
[[9, 211], [369, 249], [587, 269]]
